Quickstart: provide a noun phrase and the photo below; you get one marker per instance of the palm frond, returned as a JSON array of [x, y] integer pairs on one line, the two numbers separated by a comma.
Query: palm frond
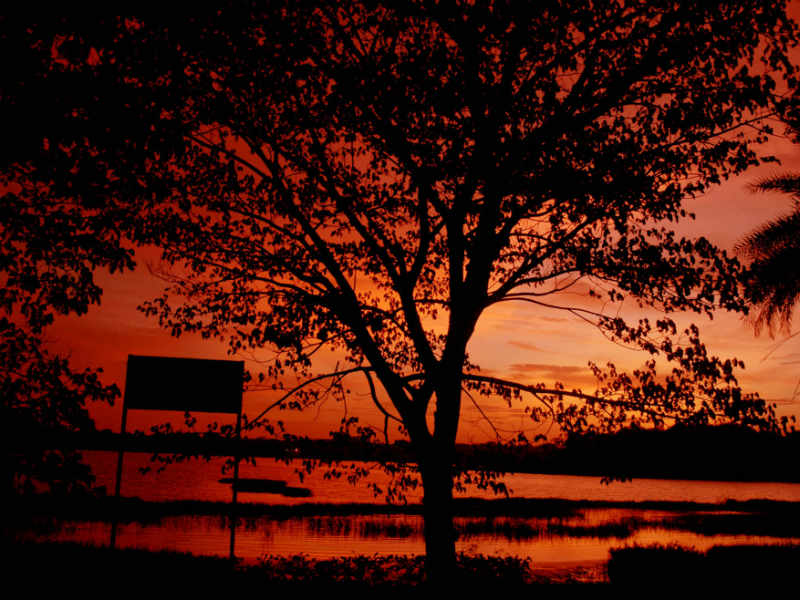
[[773, 281], [774, 289], [786, 183], [771, 237]]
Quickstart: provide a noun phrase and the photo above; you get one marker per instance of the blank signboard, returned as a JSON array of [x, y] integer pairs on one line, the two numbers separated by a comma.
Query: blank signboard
[[184, 384]]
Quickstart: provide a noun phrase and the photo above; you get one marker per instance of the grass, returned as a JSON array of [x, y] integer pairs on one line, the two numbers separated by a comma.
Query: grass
[[71, 566], [61, 567], [513, 519], [363, 528], [777, 524], [469, 527], [723, 565], [102, 508]]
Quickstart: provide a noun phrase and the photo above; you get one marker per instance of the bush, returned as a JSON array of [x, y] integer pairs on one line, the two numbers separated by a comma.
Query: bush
[[645, 565], [728, 565], [390, 570]]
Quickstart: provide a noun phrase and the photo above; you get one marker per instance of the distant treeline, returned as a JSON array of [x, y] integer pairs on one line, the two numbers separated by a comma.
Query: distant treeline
[[727, 453]]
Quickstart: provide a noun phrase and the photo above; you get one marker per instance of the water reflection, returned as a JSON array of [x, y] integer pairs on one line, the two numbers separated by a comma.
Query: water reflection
[[585, 537], [550, 534]]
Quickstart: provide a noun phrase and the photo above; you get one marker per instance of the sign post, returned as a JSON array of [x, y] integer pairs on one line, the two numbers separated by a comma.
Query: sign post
[[186, 385]]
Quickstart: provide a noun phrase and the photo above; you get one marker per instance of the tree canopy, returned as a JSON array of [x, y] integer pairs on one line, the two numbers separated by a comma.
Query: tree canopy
[[372, 177], [53, 240]]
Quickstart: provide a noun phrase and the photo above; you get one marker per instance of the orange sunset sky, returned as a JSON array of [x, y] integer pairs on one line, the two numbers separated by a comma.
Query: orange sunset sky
[[512, 340]]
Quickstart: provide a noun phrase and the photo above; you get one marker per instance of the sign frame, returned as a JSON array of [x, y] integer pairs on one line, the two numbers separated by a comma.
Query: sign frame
[[170, 383]]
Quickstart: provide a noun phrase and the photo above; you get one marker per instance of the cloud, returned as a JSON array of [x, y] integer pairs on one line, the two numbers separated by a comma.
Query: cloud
[[566, 374], [525, 346], [552, 319], [547, 368]]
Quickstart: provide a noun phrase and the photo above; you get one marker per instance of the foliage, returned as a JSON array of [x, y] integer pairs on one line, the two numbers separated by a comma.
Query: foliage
[[394, 570], [41, 397], [53, 239], [773, 250], [719, 565], [369, 178], [73, 563], [638, 564]]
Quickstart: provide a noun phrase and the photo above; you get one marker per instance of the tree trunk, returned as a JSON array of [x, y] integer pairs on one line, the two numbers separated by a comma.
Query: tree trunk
[[440, 534], [436, 454]]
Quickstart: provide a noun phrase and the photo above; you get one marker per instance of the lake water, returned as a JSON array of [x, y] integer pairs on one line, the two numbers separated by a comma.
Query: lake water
[[580, 539], [199, 480]]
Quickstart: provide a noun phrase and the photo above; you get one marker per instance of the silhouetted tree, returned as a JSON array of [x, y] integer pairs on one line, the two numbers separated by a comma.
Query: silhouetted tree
[[372, 177], [53, 240], [773, 250]]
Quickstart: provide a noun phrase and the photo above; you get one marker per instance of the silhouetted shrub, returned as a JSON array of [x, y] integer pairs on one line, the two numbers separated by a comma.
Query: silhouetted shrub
[[720, 565], [644, 565], [391, 570]]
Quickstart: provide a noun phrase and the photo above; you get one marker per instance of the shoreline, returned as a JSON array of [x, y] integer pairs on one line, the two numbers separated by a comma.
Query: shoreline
[[91, 569], [674, 454], [76, 564], [515, 519], [478, 507]]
